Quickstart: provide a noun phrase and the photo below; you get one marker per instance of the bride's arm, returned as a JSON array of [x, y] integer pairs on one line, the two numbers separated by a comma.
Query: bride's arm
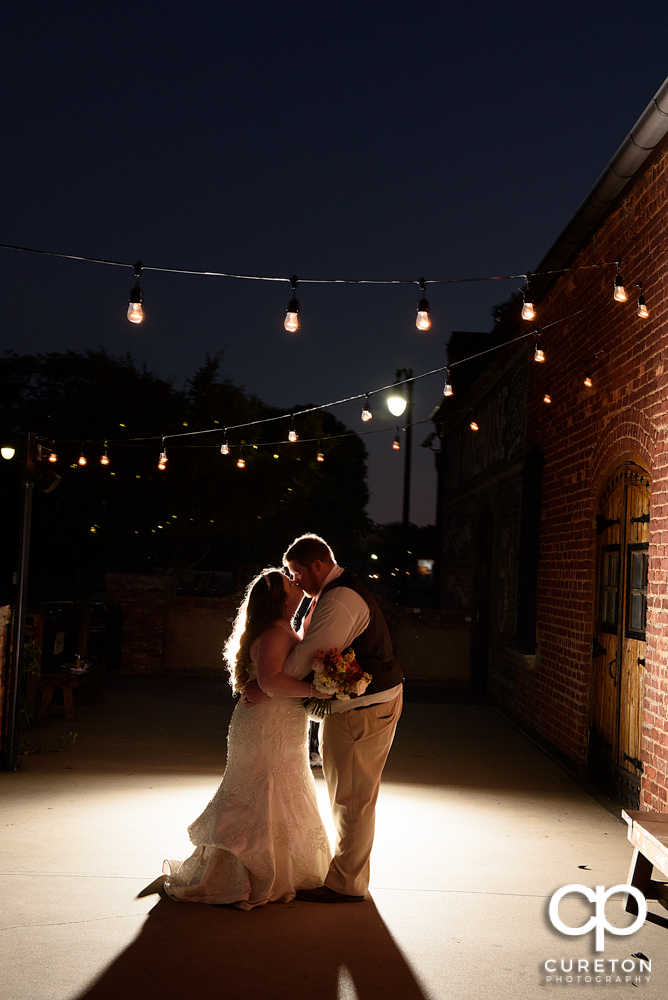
[[273, 647]]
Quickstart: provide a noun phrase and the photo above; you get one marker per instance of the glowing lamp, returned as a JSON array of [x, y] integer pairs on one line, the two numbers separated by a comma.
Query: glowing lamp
[[7, 452], [473, 425], [320, 457], [528, 311], [396, 405], [396, 444], [587, 380], [547, 398]]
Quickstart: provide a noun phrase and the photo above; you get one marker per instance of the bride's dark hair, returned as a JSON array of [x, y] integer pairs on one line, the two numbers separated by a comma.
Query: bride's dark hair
[[263, 604]]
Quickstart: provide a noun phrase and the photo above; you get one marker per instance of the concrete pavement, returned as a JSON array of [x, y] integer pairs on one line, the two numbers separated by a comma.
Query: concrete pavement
[[476, 829]]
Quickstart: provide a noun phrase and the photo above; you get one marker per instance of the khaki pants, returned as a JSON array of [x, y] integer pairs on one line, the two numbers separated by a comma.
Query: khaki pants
[[354, 747]]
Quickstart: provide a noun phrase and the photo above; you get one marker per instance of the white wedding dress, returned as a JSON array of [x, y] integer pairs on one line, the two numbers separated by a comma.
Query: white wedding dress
[[261, 836]]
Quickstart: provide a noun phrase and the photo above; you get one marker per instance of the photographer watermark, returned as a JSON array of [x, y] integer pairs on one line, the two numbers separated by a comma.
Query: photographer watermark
[[599, 970]]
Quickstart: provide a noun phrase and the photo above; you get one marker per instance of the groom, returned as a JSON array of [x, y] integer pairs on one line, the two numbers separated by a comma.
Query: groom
[[357, 736]]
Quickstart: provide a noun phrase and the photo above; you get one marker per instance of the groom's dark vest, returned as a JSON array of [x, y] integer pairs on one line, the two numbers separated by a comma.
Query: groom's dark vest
[[373, 647]]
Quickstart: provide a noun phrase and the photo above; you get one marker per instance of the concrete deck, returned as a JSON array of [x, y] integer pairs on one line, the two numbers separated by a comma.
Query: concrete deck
[[476, 829]]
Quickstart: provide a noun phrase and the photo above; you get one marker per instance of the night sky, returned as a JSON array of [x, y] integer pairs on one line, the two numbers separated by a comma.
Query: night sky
[[348, 140]]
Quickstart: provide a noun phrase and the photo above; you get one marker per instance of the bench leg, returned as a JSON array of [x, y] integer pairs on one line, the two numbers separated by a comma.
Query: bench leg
[[640, 876], [68, 699], [47, 695]]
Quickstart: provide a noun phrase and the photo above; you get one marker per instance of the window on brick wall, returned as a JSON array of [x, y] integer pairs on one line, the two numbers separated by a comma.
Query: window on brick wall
[[527, 577], [636, 591], [608, 605]]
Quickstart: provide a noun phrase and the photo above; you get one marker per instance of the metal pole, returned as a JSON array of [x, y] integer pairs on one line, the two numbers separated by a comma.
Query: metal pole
[[10, 750], [405, 522]]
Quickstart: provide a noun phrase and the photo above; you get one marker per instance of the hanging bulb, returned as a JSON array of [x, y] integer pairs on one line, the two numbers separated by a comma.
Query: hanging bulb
[[547, 398], [162, 461], [135, 308], [620, 292], [396, 404], [241, 461], [292, 433], [104, 458], [225, 448], [366, 411], [291, 321], [319, 457], [539, 353], [82, 460], [528, 311], [587, 380], [396, 444], [447, 388], [473, 425], [423, 319], [53, 457], [643, 311]]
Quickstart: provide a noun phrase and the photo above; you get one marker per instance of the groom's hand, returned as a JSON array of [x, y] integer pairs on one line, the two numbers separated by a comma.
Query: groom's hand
[[253, 694]]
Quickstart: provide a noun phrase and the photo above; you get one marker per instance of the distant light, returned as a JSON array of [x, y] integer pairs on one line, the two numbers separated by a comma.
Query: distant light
[[373, 555], [8, 452], [396, 405]]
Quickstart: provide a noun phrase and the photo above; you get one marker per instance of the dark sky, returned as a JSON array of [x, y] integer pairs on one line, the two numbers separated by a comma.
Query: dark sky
[[363, 140]]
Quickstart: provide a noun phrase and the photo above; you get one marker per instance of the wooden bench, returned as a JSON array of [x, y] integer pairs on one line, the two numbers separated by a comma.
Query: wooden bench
[[68, 682], [648, 832]]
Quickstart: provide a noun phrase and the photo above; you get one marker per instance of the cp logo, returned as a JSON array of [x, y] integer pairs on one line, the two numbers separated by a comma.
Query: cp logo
[[599, 897]]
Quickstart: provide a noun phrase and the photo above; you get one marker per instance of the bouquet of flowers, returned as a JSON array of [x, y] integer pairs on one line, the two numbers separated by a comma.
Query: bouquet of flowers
[[336, 672]]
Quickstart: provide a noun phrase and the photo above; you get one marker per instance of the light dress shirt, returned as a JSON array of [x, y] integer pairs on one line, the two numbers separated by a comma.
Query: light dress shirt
[[338, 617]]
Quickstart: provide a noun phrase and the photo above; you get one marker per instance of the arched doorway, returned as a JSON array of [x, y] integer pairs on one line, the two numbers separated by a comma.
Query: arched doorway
[[618, 646]]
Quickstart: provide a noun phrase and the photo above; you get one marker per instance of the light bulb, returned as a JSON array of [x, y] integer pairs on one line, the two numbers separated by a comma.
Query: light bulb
[[366, 411], [162, 461], [104, 459], [473, 425], [539, 354], [620, 291], [136, 312], [547, 398], [53, 457], [643, 311], [8, 452], [291, 322], [396, 444], [292, 435], [82, 459], [241, 462], [588, 381], [447, 388], [396, 405], [225, 448], [320, 457], [423, 319], [528, 311]]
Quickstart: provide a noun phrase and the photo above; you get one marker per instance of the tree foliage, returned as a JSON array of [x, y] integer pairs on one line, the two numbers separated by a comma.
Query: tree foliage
[[202, 511]]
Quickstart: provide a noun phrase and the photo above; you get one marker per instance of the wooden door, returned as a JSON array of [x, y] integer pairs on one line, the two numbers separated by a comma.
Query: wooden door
[[618, 646]]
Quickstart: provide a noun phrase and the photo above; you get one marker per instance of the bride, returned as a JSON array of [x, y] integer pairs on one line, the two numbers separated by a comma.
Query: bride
[[261, 837]]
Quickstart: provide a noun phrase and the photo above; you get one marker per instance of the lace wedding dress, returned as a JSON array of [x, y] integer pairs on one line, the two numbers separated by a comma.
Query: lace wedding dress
[[261, 837]]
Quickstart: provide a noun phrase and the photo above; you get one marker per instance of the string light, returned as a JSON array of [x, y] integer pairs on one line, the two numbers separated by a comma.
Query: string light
[[528, 311], [396, 444], [423, 319], [82, 460], [162, 461], [225, 448], [547, 398], [135, 307], [539, 353], [291, 321], [292, 433], [104, 457], [473, 425], [241, 461], [619, 292], [366, 410], [643, 311], [587, 380], [319, 457], [447, 388], [53, 457], [396, 404]]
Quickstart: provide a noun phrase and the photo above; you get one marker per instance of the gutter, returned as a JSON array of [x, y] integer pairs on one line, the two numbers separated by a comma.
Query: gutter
[[650, 129]]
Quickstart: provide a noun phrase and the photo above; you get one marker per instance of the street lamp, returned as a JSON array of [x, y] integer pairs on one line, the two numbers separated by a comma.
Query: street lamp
[[404, 401]]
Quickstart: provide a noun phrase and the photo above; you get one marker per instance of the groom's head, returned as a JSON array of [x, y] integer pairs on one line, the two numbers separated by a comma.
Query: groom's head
[[310, 561]]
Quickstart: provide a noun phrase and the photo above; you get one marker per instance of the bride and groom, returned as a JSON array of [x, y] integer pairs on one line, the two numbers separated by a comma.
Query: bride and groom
[[261, 838]]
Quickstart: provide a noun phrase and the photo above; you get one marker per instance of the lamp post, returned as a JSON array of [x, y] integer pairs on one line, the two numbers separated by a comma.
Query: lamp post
[[401, 375]]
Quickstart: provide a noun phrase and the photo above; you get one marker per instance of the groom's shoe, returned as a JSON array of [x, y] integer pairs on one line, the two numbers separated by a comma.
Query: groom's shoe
[[323, 894]]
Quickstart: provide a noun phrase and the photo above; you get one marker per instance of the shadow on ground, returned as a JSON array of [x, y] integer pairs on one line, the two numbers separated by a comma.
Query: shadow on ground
[[196, 950]]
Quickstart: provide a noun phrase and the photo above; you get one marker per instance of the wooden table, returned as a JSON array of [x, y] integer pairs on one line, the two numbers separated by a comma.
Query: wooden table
[[68, 682], [648, 832]]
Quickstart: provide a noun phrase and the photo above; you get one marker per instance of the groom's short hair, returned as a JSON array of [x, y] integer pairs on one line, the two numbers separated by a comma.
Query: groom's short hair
[[306, 549]]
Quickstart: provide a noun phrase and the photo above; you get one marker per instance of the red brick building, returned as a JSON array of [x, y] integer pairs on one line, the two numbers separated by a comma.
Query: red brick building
[[554, 515]]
